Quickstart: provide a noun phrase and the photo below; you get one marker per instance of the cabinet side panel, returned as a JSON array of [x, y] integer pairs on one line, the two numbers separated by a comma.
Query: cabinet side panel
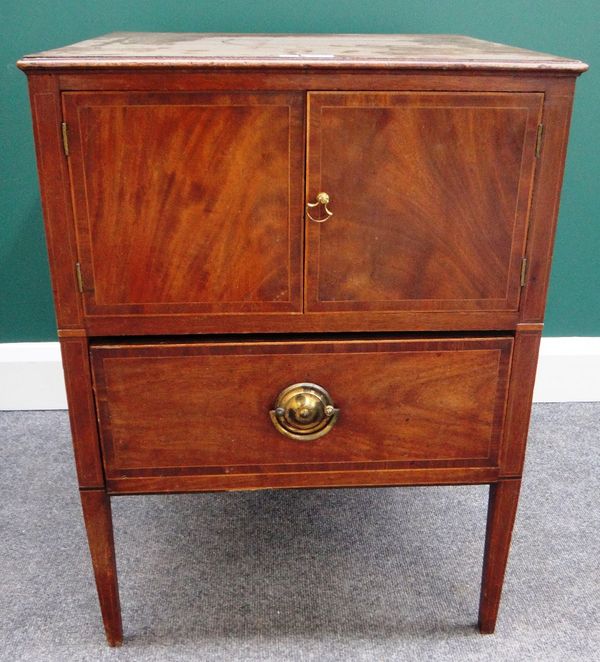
[[522, 380], [56, 203], [82, 412], [546, 197]]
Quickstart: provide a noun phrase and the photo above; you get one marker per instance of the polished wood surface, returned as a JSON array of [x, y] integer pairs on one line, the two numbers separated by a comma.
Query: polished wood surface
[[168, 221], [558, 103], [502, 508], [98, 523], [173, 484], [171, 407], [172, 49], [339, 322], [518, 410], [138, 321], [430, 194], [44, 94], [82, 412], [182, 196], [305, 80]]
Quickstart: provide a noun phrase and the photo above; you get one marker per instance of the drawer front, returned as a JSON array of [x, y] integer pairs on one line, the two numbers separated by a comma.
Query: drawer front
[[206, 407]]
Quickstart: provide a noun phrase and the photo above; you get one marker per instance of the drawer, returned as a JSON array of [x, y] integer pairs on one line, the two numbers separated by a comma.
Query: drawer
[[213, 407]]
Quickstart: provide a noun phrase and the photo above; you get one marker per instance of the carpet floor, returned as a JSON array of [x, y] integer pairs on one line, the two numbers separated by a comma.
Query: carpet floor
[[381, 574]]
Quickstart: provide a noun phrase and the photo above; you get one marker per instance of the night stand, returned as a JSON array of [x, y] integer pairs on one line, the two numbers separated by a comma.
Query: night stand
[[299, 261]]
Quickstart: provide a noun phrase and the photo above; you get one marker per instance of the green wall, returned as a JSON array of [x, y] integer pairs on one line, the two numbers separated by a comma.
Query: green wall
[[564, 28]]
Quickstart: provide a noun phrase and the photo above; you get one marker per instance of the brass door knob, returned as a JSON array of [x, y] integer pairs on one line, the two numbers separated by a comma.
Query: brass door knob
[[304, 411], [322, 199]]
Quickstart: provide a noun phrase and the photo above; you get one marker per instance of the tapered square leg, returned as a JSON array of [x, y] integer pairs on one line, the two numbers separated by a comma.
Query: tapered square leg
[[502, 508], [98, 523]]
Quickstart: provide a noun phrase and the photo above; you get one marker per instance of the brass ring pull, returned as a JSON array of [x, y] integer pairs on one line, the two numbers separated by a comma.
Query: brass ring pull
[[322, 199], [304, 411]]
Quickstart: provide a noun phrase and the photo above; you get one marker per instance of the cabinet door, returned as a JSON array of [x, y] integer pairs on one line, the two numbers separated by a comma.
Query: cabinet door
[[430, 194], [187, 202]]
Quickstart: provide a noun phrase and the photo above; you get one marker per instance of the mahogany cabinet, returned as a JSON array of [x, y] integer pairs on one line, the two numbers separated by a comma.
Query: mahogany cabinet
[[298, 261]]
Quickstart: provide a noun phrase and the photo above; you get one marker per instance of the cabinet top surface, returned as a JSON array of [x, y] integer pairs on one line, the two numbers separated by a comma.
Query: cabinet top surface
[[409, 51]]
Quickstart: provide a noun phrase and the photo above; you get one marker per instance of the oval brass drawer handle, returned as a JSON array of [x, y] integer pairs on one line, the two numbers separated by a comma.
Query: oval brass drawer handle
[[322, 199], [304, 411]]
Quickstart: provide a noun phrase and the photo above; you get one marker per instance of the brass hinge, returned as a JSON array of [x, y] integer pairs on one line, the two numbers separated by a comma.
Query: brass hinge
[[65, 138], [523, 271], [538, 140], [79, 277]]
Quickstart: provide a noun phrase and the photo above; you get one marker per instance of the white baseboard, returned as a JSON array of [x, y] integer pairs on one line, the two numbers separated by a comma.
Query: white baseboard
[[31, 374], [568, 370]]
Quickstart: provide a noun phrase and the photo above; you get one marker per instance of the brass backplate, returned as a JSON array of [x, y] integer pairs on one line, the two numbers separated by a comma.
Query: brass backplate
[[304, 411]]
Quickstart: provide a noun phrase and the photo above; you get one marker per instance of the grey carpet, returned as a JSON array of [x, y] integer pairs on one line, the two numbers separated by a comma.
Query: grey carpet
[[388, 574]]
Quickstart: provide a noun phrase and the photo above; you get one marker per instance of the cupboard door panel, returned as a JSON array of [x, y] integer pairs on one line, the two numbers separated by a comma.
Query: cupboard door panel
[[430, 195], [188, 202]]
